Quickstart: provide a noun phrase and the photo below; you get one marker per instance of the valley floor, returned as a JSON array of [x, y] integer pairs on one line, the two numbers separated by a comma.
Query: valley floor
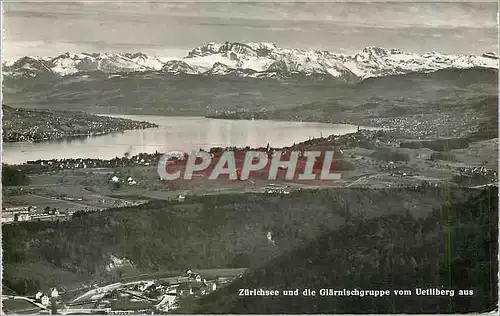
[[92, 189]]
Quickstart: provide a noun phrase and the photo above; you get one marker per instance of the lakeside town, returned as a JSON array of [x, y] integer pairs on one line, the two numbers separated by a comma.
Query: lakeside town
[[388, 151], [26, 125], [424, 122]]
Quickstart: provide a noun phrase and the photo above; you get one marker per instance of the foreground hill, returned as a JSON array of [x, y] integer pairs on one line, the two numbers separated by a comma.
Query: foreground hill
[[224, 231], [455, 247], [38, 125]]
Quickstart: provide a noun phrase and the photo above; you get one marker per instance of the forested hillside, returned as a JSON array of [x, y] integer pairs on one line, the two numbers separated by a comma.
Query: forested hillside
[[455, 247], [202, 232]]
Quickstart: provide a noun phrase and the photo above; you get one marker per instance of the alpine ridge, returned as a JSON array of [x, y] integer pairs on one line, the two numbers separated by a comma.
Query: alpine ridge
[[257, 60]]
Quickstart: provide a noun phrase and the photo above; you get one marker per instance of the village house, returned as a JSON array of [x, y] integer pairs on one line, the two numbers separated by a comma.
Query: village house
[[38, 296], [171, 290], [53, 212], [170, 301], [193, 276], [54, 293], [142, 287], [189, 288], [45, 300]]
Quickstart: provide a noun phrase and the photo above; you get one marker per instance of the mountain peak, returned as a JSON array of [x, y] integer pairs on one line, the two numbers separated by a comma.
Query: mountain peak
[[378, 52], [135, 55], [248, 49]]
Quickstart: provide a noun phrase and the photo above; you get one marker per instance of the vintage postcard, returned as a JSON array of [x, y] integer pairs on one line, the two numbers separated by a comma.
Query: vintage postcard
[[242, 157]]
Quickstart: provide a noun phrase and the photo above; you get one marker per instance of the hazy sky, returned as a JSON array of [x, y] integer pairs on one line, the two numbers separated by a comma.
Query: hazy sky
[[171, 29]]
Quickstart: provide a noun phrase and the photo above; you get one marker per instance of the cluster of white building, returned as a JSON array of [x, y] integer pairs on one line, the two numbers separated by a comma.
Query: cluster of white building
[[30, 213], [44, 299], [273, 188], [194, 285], [17, 214], [129, 180]]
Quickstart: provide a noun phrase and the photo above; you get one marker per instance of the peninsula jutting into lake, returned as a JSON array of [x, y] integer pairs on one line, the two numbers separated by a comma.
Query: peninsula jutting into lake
[[28, 125]]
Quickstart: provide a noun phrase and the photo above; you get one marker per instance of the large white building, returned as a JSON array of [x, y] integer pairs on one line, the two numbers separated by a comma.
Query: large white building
[[45, 300], [22, 217]]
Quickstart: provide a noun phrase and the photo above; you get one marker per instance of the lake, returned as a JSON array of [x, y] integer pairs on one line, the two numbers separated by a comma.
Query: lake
[[174, 134]]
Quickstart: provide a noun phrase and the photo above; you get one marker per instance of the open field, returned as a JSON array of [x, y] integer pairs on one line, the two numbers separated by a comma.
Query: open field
[[19, 306]]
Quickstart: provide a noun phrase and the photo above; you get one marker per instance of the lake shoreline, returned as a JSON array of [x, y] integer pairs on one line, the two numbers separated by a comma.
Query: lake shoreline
[[176, 133]]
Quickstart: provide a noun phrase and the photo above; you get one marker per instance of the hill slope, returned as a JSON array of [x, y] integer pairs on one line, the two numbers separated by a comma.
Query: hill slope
[[202, 232], [390, 252]]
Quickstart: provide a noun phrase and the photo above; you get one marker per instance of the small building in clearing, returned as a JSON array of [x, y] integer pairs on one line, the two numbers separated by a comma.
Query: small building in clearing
[[38, 296], [54, 292]]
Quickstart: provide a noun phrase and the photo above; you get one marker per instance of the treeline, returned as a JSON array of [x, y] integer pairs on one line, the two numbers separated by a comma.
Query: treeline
[[438, 144], [455, 247], [22, 286], [216, 231], [12, 176]]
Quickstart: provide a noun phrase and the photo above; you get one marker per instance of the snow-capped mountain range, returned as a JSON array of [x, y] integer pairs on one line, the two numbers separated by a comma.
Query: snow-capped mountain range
[[252, 60]]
